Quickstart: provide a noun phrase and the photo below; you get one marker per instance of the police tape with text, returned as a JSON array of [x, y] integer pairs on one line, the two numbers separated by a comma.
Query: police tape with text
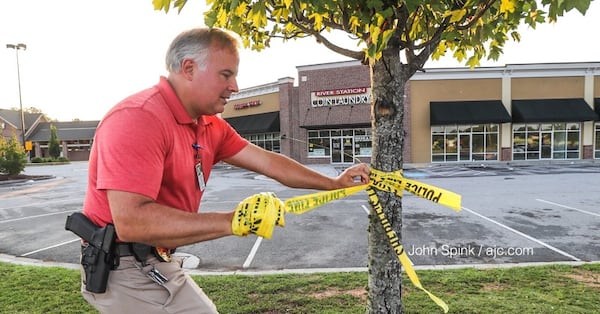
[[392, 182]]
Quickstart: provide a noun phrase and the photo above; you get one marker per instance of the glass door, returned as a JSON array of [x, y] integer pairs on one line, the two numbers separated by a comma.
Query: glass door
[[546, 145], [342, 149], [465, 147]]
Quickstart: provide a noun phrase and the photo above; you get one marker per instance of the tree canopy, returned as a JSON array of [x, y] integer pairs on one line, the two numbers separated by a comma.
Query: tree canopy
[[470, 29]]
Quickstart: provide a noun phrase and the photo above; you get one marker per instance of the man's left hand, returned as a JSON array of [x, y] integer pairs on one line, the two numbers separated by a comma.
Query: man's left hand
[[355, 175]]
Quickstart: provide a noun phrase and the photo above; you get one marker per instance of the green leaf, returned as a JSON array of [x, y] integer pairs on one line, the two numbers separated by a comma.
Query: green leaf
[[457, 15], [439, 51], [161, 5], [473, 62], [515, 36], [460, 54], [507, 6], [471, 35]]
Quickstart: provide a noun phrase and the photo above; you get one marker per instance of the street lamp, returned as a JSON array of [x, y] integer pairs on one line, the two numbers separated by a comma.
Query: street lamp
[[18, 47]]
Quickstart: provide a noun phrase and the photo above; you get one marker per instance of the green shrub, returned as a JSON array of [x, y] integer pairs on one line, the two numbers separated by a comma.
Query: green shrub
[[12, 156], [37, 160], [54, 143]]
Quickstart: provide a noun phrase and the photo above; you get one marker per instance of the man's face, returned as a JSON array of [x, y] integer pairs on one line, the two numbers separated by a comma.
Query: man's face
[[213, 85]]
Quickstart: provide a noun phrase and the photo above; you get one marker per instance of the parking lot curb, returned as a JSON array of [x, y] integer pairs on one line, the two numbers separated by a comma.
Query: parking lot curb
[[197, 272]]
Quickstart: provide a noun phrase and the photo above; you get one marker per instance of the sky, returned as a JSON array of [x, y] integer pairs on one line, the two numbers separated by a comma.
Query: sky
[[83, 57]]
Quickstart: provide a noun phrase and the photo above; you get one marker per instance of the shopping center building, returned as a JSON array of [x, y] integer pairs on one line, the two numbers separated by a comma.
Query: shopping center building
[[512, 113], [518, 112]]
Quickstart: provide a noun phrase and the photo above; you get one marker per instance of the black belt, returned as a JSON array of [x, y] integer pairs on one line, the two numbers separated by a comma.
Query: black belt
[[124, 249]]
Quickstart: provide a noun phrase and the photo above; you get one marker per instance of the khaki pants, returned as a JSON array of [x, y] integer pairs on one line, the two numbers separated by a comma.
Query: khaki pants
[[130, 290]]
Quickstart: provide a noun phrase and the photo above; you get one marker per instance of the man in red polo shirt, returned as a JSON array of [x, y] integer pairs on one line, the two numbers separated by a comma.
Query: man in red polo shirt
[[151, 157]]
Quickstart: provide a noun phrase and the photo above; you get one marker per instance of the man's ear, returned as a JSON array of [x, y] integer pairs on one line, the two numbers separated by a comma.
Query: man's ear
[[188, 66]]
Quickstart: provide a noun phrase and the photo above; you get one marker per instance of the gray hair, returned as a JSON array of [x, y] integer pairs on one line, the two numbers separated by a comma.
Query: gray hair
[[195, 43]]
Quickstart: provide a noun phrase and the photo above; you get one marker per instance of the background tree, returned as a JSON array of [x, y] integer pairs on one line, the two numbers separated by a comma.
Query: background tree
[[54, 148], [421, 29], [12, 156], [33, 110]]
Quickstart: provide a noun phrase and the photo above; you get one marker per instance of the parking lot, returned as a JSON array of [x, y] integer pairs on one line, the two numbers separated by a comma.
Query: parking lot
[[511, 214]]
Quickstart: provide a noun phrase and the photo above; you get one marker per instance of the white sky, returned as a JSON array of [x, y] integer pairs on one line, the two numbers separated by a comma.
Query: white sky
[[84, 56]]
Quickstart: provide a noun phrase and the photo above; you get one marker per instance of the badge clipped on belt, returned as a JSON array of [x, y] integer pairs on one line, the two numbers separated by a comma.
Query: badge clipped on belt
[[163, 254]]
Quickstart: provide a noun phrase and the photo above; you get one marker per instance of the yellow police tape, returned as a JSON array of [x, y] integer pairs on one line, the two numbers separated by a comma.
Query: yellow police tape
[[392, 182]]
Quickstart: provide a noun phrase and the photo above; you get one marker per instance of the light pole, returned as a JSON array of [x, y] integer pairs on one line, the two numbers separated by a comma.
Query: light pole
[[18, 47]]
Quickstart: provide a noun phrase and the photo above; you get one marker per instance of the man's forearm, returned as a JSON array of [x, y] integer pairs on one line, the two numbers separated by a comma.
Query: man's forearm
[[158, 225], [293, 174]]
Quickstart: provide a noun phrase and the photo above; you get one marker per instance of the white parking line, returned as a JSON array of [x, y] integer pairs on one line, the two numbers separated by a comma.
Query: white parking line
[[50, 247], [568, 207], [36, 216], [523, 235], [252, 253], [365, 208]]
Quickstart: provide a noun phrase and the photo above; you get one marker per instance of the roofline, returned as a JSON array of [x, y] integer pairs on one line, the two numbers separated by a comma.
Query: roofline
[[258, 90], [512, 70], [8, 122], [331, 65], [33, 126]]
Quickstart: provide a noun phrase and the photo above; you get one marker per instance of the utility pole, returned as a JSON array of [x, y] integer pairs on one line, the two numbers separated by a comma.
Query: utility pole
[[18, 47]]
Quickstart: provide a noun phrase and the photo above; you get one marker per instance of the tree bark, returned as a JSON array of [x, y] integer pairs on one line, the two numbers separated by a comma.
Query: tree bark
[[389, 77]]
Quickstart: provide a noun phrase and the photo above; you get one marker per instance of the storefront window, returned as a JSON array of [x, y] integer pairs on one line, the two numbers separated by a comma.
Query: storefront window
[[319, 147], [268, 141], [464, 142], [362, 143], [597, 141], [341, 145], [519, 136], [546, 141], [79, 145]]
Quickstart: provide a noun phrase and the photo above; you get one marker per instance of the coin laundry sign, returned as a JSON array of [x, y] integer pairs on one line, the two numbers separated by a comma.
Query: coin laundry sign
[[341, 97]]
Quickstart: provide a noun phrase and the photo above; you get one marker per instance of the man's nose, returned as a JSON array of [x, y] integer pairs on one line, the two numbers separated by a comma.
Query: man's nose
[[233, 86]]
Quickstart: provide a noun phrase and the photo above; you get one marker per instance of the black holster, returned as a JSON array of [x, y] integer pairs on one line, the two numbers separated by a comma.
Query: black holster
[[98, 256]]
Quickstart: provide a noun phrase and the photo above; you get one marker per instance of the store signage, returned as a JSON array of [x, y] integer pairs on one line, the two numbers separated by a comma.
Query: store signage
[[341, 97], [245, 105]]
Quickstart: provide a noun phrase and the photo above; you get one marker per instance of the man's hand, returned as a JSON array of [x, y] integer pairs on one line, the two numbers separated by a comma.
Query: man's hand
[[258, 214], [355, 175]]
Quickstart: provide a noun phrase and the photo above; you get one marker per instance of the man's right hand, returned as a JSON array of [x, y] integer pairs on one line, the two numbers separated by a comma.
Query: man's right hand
[[258, 214]]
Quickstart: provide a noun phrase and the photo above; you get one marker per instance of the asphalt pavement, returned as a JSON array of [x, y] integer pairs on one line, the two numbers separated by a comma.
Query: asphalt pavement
[[512, 214]]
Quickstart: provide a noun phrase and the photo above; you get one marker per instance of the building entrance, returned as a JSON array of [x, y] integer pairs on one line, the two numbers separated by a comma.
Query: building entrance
[[342, 150], [464, 147]]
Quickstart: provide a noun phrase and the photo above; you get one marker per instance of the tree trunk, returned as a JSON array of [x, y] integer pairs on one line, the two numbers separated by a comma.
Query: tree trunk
[[389, 76]]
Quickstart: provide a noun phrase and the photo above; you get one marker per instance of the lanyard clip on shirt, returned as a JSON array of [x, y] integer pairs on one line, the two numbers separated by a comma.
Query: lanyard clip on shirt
[[198, 166]]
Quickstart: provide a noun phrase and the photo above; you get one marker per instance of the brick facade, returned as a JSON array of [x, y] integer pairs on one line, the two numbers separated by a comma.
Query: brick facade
[[313, 105]]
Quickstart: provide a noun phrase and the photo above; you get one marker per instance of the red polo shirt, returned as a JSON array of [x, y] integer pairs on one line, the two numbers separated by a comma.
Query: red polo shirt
[[144, 145]]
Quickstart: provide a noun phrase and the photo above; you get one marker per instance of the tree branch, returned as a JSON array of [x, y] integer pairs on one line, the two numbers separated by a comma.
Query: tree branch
[[478, 14], [358, 55]]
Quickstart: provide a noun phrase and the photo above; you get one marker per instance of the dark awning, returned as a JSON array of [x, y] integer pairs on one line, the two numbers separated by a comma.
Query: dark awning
[[467, 112], [552, 110], [257, 123], [597, 106]]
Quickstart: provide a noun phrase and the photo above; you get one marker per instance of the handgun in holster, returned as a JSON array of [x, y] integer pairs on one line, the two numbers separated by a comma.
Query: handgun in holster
[[98, 253]]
